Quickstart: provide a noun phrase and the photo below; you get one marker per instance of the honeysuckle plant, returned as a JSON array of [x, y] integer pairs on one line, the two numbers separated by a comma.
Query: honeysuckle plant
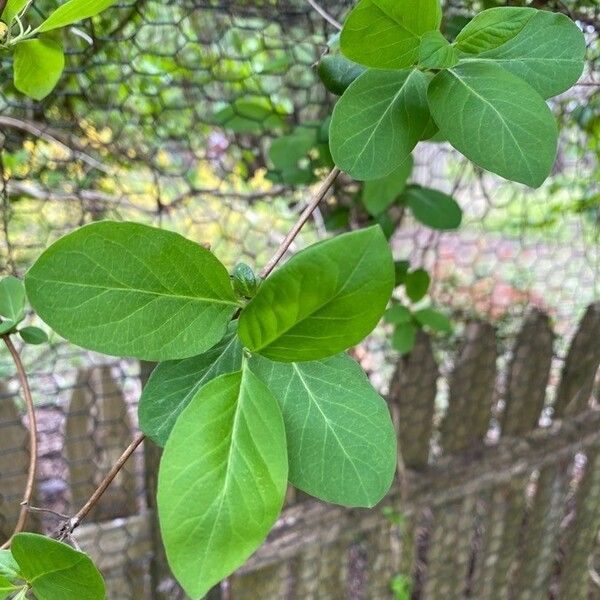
[[254, 388]]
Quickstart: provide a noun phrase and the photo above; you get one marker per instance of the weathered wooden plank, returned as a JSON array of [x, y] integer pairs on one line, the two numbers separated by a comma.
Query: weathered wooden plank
[[471, 389], [271, 582], [381, 550], [98, 428], [580, 537], [14, 464], [79, 442], [450, 548], [528, 374], [581, 366], [121, 548], [112, 433], [412, 392], [320, 572], [540, 535]]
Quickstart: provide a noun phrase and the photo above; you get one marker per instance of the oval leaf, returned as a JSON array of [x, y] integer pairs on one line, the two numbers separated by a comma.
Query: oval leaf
[[378, 121], [38, 65], [524, 42], [55, 570], [12, 299], [323, 300], [433, 208], [341, 441], [132, 290], [416, 284], [13, 8], [435, 320], [404, 338], [379, 194], [73, 11], [222, 480], [33, 335], [496, 120], [337, 73], [435, 52], [385, 33], [174, 383]]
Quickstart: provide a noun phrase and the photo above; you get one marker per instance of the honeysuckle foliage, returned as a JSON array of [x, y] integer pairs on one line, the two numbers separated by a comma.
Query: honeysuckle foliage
[[45, 569], [254, 388], [13, 303], [38, 55], [485, 92]]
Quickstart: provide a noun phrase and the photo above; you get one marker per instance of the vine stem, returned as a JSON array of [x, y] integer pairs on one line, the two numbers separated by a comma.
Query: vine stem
[[306, 213], [331, 20], [69, 526], [33, 446]]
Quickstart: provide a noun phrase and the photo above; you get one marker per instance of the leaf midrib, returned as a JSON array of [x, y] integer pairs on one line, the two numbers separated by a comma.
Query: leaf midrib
[[138, 291]]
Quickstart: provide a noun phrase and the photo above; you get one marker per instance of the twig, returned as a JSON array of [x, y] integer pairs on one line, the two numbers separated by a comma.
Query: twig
[[29, 486], [43, 134], [306, 213], [69, 526], [331, 20]]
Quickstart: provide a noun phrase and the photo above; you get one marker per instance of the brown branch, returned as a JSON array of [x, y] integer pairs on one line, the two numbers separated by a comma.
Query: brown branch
[[67, 528], [29, 486], [306, 213]]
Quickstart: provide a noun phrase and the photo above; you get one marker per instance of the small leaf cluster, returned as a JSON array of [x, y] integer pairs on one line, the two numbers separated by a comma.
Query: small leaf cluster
[[406, 320], [12, 312], [253, 389], [38, 56], [485, 92], [42, 568]]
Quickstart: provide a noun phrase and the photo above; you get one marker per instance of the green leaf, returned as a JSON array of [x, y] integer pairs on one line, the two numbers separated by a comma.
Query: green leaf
[[250, 115], [325, 299], [404, 338], [397, 314], [33, 335], [416, 284], [378, 121], [435, 52], [12, 303], [6, 588], [222, 479], [337, 72], [531, 51], [379, 194], [55, 570], [435, 320], [401, 268], [433, 208], [38, 65], [13, 8], [341, 441], [492, 28], [8, 565], [385, 33], [131, 290], [73, 11], [496, 120], [245, 281], [174, 383], [287, 151]]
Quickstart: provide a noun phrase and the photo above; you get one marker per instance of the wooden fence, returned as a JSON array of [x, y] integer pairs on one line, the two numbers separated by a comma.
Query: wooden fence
[[487, 505]]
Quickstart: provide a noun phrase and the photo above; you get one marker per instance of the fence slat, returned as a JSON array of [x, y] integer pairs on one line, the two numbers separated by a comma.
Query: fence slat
[[471, 389], [98, 428], [580, 366], [580, 537], [412, 393], [528, 374], [271, 582]]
